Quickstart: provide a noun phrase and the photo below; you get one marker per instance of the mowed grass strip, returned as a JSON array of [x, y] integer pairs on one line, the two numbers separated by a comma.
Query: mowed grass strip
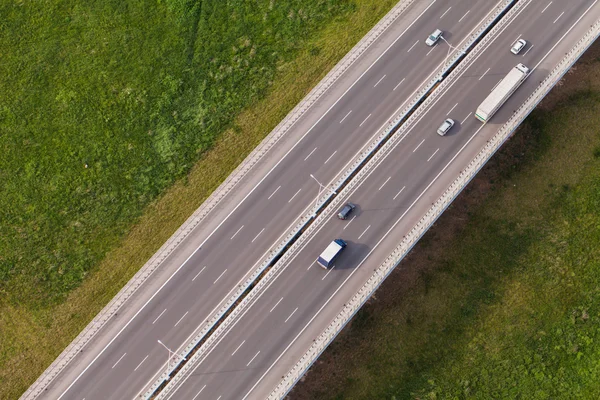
[[118, 120], [501, 298]]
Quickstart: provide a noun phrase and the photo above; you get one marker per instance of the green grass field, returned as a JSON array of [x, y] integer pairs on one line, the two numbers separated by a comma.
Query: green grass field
[[501, 299], [117, 120]]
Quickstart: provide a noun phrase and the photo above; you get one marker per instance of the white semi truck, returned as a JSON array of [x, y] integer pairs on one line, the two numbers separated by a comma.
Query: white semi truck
[[503, 90]]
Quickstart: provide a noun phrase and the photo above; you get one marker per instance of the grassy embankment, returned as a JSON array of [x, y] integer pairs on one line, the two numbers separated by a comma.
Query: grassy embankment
[[501, 298], [117, 120]]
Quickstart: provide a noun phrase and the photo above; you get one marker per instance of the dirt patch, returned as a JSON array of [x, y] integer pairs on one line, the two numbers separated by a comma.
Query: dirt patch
[[328, 374]]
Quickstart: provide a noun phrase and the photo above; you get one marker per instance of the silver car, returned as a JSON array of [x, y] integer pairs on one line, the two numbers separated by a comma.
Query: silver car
[[445, 127], [434, 37], [518, 46]]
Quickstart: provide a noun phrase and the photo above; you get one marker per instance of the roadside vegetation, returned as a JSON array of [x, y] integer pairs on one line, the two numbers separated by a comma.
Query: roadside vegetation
[[501, 298], [117, 120]]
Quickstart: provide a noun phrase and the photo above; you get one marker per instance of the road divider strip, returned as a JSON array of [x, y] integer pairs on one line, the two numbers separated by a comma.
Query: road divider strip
[[211, 331], [367, 290]]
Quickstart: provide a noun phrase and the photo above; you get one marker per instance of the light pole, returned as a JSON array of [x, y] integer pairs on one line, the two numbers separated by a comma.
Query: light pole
[[321, 188], [450, 47], [169, 359]]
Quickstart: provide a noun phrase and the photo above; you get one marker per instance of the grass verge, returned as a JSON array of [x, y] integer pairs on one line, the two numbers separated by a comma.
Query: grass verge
[[51, 286], [501, 298]]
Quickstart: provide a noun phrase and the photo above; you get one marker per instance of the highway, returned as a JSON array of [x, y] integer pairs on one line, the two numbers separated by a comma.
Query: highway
[[207, 266], [262, 346]]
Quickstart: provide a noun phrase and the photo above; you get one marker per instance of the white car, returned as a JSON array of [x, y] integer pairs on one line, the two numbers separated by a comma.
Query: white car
[[434, 37], [445, 127], [518, 46]]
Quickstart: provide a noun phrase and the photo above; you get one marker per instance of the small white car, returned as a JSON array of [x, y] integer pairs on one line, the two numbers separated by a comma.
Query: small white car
[[518, 46], [434, 37], [445, 127]]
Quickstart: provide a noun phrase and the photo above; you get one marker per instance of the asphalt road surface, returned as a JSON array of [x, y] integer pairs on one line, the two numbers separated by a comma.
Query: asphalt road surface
[[208, 265], [281, 325]]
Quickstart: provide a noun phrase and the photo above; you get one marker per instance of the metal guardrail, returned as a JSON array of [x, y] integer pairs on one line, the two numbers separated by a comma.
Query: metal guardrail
[[366, 291], [90, 331], [368, 152]]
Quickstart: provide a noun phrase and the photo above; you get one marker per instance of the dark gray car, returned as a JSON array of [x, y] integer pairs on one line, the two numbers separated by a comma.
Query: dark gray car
[[344, 212]]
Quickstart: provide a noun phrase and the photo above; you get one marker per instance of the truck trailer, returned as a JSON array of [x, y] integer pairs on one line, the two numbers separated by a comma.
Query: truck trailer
[[328, 256], [503, 90]]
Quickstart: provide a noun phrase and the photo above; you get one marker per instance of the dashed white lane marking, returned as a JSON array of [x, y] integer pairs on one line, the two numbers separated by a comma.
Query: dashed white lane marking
[[235, 351], [269, 198], [186, 313], [219, 398], [430, 51], [345, 116], [365, 231], [332, 154], [445, 12], [310, 154], [411, 47], [276, 305], [290, 200], [451, 109], [119, 360], [561, 14], [546, 8], [461, 18], [399, 83], [375, 85], [328, 272], [463, 121], [398, 194], [386, 181], [198, 394], [365, 120], [159, 316], [136, 368], [247, 365], [288, 318], [257, 235], [486, 71], [238, 231], [419, 145], [203, 268], [349, 222], [434, 153], [222, 273], [528, 50]]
